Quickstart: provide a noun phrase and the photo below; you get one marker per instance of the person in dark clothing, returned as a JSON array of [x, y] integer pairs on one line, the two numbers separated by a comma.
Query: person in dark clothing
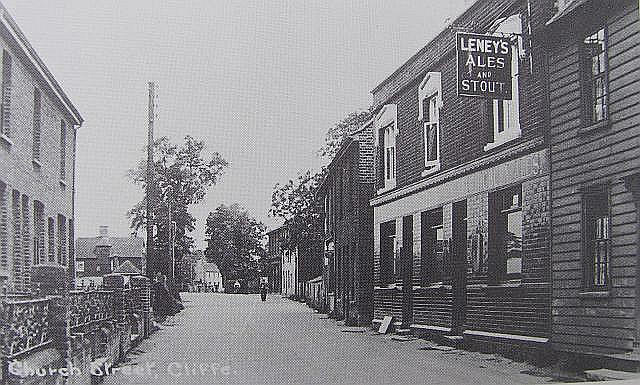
[[263, 291]]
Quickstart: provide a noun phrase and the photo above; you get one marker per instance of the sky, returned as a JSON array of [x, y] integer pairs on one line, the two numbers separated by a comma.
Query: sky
[[259, 81]]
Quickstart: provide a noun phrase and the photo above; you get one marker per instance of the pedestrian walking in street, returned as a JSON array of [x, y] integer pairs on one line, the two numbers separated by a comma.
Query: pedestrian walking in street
[[263, 291]]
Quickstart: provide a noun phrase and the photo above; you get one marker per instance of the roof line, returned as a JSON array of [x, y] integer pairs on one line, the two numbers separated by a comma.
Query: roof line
[[427, 46], [31, 54]]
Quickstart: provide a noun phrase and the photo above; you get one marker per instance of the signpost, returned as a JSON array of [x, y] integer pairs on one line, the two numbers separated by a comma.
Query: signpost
[[484, 66]]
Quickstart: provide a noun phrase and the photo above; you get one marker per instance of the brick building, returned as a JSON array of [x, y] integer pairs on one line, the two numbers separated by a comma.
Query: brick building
[[461, 211], [348, 219], [102, 255], [595, 163], [37, 162]]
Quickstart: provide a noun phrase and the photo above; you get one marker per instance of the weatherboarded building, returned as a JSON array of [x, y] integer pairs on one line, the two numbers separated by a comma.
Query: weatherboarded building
[[348, 219], [38, 126], [594, 69], [461, 209]]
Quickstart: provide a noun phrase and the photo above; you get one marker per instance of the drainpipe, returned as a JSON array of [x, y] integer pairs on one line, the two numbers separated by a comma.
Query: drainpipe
[[72, 258]]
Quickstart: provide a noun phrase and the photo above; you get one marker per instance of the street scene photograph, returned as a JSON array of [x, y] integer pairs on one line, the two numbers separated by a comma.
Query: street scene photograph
[[319, 192]]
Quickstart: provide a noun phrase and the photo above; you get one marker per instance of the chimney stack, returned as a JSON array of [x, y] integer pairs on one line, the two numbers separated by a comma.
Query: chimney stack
[[103, 231]]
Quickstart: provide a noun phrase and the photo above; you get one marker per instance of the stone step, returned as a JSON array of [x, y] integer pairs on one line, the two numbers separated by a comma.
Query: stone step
[[609, 374], [403, 338], [454, 341], [403, 332]]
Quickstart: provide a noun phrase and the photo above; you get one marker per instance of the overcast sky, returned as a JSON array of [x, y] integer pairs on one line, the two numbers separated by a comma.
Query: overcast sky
[[259, 81]]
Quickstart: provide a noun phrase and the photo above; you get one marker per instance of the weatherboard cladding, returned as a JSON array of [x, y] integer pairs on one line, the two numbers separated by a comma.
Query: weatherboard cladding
[[582, 323]]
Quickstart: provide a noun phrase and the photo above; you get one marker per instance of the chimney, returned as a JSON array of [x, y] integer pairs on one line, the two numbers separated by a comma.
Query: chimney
[[103, 231]]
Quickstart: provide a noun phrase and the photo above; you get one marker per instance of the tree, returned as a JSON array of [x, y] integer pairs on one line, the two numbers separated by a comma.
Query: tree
[[336, 135], [234, 242], [182, 177], [294, 202]]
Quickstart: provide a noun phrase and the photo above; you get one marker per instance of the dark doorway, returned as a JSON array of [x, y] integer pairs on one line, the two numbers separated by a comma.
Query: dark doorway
[[459, 264], [407, 267]]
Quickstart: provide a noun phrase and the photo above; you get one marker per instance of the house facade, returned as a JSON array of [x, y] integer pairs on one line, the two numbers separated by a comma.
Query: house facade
[[348, 233], [213, 277], [595, 168], [461, 209], [287, 261], [38, 126], [102, 255]]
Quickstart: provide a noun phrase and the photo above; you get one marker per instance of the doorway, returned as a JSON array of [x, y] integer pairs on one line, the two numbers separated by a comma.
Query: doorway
[[459, 264], [407, 267]]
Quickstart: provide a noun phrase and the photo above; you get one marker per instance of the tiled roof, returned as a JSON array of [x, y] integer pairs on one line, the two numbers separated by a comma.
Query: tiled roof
[[127, 268], [211, 267], [121, 246]]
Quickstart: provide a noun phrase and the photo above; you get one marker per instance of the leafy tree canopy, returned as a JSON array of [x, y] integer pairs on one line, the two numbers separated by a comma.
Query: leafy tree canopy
[[336, 135], [182, 177], [234, 241]]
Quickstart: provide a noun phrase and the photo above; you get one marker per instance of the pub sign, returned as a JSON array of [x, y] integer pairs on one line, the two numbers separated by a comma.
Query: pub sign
[[484, 66]]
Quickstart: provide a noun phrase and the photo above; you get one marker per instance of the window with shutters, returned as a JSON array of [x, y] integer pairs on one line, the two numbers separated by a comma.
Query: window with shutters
[[26, 243], [62, 240], [430, 102], [4, 230], [37, 112], [39, 233], [5, 103], [17, 239], [63, 150], [51, 238]]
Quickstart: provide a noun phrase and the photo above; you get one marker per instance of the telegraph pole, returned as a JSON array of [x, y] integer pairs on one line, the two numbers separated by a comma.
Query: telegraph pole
[[151, 261]]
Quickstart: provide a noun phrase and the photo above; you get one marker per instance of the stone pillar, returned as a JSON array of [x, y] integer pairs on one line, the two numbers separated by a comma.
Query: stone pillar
[[115, 283], [51, 280], [143, 302]]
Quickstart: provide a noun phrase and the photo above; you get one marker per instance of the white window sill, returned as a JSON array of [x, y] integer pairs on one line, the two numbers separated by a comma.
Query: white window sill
[[431, 168], [501, 140], [6, 140], [386, 188]]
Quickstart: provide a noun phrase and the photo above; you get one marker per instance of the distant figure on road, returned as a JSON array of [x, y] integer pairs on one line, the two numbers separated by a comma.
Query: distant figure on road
[[236, 287], [263, 291]]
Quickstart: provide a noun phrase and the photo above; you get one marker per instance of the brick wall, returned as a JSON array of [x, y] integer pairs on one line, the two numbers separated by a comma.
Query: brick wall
[[464, 122], [33, 181]]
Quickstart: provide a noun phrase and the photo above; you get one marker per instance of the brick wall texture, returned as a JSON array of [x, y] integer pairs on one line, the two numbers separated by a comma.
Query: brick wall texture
[[23, 181]]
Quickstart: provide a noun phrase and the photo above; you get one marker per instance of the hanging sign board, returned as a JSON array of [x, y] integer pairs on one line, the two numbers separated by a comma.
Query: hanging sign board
[[484, 66]]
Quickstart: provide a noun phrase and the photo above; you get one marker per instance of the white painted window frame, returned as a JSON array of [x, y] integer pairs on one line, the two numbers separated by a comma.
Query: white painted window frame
[[430, 88], [387, 121], [511, 108]]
